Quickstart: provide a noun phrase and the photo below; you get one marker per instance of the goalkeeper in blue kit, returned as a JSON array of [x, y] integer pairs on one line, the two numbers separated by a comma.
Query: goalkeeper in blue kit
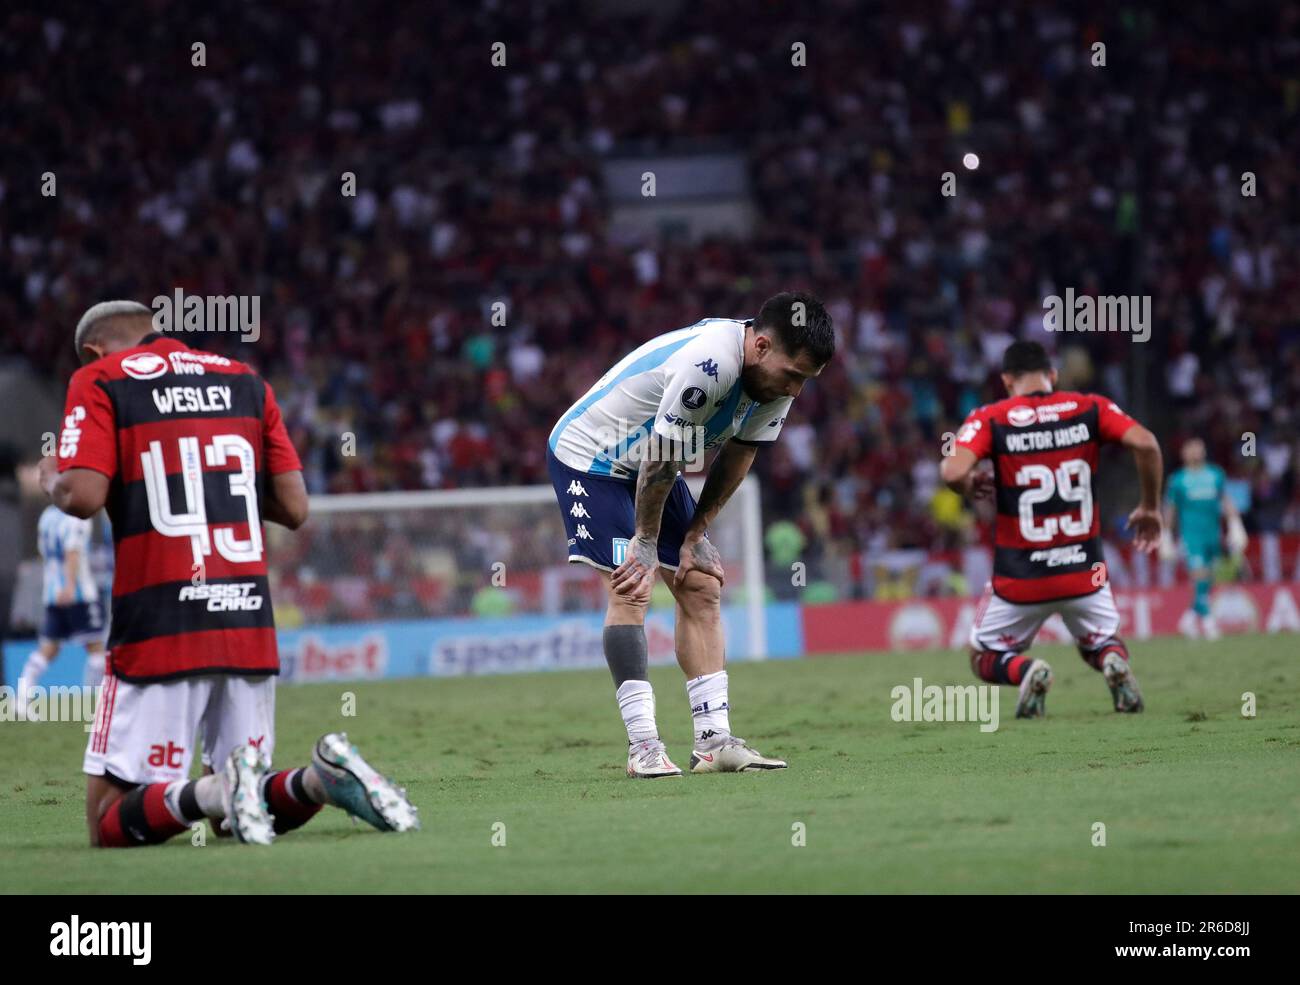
[[1196, 501]]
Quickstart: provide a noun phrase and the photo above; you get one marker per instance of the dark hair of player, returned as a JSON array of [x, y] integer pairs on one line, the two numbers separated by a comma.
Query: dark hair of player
[[800, 323], [1025, 357]]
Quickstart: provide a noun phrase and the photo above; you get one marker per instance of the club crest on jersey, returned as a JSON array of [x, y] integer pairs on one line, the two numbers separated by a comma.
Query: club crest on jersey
[[144, 366], [693, 398], [618, 550]]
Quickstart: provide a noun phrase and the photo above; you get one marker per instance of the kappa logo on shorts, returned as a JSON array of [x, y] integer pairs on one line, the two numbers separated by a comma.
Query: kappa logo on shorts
[[618, 547], [575, 488], [693, 398], [583, 533], [579, 511]]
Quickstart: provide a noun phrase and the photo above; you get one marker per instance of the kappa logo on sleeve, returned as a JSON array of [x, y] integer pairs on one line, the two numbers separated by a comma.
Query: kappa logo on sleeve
[[693, 398], [708, 367]]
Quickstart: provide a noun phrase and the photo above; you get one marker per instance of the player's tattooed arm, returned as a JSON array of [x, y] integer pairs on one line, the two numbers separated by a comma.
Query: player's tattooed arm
[[654, 482], [725, 476], [635, 576]]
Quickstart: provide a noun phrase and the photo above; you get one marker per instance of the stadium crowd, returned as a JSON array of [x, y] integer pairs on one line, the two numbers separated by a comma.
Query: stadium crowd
[[478, 184]]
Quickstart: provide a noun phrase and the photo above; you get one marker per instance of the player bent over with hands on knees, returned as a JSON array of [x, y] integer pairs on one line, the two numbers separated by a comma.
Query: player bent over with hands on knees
[[189, 453], [615, 460], [1047, 559]]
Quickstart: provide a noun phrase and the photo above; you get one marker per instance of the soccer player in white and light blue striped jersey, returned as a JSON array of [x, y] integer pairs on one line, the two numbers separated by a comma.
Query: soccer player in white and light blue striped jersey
[[74, 611], [615, 460]]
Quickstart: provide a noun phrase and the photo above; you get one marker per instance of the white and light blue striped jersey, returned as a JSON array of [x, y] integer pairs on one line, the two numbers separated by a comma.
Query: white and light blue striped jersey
[[683, 386], [59, 535]]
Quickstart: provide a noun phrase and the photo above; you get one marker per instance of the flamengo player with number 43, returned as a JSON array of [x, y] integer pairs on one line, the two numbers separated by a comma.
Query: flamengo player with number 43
[[189, 453], [1047, 550]]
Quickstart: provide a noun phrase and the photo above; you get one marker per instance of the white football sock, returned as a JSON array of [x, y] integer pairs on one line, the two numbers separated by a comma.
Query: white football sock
[[636, 702], [30, 676], [709, 708], [93, 676], [207, 791], [36, 666]]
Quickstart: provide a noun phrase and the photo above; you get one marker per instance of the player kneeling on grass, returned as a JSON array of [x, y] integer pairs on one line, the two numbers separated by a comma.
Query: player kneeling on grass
[[1047, 556], [615, 460], [189, 452]]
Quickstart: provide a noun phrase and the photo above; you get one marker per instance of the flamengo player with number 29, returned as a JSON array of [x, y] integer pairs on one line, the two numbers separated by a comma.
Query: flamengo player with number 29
[[1047, 557], [188, 452]]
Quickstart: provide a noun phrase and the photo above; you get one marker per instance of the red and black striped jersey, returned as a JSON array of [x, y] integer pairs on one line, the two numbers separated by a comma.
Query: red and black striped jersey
[[187, 439], [1045, 450]]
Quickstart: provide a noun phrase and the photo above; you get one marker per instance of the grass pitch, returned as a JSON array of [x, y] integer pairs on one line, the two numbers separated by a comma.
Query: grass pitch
[[1194, 796]]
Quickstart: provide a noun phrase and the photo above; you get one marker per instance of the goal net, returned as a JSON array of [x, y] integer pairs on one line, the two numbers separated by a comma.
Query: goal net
[[488, 569]]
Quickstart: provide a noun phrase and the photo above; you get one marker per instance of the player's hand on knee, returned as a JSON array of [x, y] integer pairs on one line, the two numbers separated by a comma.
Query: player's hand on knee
[[634, 579], [699, 554]]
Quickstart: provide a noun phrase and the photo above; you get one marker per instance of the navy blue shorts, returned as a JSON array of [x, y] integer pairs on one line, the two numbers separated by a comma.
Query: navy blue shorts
[[600, 516], [80, 622]]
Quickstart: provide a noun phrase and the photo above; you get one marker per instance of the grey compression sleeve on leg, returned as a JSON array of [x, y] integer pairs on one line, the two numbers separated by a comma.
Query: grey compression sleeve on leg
[[626, 654]]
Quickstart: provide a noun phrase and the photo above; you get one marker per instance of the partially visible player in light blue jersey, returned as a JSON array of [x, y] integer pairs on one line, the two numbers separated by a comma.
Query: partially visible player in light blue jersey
[[1196, 500], [73, 610], [65, 544], [616, 460], [684, 386]]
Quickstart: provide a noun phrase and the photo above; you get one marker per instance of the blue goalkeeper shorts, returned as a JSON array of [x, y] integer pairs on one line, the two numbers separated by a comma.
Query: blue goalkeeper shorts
[[1201, 552], [600, 516]]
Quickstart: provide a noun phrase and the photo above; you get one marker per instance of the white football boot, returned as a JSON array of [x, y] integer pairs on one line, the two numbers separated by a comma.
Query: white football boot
[[648, 760], [1033, 690], [1210, 629], [1189, 625], [732, 755], [241, 794], [1123, 685], [355, 786]]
